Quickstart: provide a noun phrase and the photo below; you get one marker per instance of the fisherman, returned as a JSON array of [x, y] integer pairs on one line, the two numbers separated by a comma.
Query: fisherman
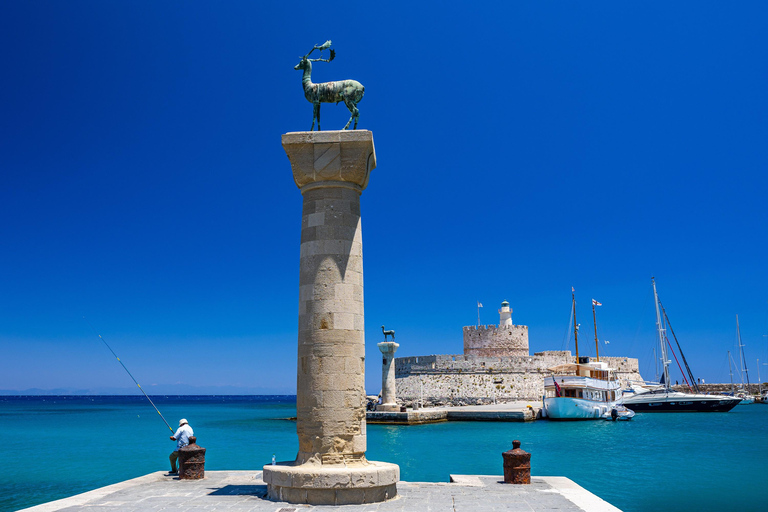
[[181, 437]]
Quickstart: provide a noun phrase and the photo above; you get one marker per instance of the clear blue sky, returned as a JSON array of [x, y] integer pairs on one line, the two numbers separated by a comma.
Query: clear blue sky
[[523, 148]]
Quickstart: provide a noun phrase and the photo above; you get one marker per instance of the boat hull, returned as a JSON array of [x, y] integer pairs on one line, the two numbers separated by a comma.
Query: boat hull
[[566, 408], [679, 402]]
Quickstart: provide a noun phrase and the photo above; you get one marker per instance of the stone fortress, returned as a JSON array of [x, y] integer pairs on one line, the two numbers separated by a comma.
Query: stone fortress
[[496, 367]]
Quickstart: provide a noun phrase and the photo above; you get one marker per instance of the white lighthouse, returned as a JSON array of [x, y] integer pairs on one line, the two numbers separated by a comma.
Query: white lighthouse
[[505, 314]]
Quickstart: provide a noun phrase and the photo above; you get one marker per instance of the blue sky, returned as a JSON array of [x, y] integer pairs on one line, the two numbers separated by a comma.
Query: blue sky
[[523, 148]]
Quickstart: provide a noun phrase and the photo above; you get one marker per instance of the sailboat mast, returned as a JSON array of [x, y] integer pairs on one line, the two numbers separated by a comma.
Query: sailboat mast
[[575, 328], [660, 330], [730, 371], [744, 370], [594, 319]]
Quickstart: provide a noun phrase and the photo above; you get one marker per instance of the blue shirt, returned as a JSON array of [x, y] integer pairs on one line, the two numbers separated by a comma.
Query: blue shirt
[[182, 435]]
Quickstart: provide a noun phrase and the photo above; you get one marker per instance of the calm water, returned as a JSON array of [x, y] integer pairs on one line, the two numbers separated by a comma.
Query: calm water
[[53, 447]]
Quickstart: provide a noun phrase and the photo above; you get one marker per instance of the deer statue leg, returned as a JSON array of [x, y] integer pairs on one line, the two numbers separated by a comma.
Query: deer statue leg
[[315, 115], [355, 114]]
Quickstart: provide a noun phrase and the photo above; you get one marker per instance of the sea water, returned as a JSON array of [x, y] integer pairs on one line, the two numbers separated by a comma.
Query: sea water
[[54, 447]]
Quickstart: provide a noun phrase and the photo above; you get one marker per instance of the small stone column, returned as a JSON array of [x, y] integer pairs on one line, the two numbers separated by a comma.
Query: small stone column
[[388, 397], [331, 169]]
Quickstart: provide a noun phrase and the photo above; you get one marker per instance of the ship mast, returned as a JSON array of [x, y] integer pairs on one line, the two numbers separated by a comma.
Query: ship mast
[[744, 371], [597, 345], [730, 371], [660, 329], [575, 328]]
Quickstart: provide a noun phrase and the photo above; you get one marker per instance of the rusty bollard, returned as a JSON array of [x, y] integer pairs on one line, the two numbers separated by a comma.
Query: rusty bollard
[[191, 461], [517, 465]]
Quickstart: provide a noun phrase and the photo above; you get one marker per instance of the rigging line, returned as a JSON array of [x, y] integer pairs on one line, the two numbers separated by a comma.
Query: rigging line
[[688, 368], [745, 370], [678, 362], [129, 373], [567, 336]]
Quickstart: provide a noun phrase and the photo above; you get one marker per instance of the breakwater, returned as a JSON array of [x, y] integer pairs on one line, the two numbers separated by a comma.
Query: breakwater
[[752, 389]]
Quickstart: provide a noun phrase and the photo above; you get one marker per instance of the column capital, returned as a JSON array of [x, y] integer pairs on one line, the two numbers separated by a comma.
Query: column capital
[[388, 347], [342, 158]]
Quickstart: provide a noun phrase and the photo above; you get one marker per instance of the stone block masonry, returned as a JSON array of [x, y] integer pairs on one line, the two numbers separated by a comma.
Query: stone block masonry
[[460, 379], [496, 341], [331, 169]]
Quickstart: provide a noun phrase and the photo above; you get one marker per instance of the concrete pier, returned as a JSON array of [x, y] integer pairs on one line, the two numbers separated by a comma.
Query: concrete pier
[[331, 169], [511, 411], [246, 491]]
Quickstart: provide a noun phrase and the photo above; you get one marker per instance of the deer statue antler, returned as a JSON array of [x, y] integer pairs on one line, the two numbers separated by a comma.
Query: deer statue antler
[[322, 47]]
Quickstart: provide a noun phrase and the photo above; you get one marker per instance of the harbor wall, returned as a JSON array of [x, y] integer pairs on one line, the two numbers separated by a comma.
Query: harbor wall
[[467, 379], [753, 388]]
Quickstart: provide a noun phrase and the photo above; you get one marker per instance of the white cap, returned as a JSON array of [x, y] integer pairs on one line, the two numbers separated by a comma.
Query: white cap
[[182, 421]]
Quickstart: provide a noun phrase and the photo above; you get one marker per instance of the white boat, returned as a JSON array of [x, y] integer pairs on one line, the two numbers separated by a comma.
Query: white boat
[[580, 391], [584, 391], [743, 393], [663, 398], [619, 413]]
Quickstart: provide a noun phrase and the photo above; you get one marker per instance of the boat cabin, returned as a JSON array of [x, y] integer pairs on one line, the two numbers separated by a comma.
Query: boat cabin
[[594, 381]]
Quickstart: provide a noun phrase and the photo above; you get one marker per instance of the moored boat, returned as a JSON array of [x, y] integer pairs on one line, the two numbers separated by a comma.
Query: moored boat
[[668, 400], [584, 390], [619, 413], [665, 399]]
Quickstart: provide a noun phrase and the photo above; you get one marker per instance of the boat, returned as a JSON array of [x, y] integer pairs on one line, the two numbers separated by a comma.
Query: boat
[[583, 390], [619, 413], [743, 393], [662, 398]]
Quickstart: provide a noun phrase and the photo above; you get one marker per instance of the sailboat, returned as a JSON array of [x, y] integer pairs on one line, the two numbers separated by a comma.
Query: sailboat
[[743, 393], [584, 390], [663, 398]]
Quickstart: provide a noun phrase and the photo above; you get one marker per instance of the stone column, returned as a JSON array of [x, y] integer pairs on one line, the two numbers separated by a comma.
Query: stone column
[[388, 398], [331, 169]]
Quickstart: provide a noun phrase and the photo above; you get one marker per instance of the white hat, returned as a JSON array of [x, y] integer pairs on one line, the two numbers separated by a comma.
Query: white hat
[[182, 421]]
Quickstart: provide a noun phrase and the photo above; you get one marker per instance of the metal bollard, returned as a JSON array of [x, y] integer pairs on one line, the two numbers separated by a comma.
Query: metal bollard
[[517, 465], [191, 461]]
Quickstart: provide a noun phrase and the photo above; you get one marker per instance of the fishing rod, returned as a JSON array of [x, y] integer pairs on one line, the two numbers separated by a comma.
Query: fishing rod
[[129, 373]]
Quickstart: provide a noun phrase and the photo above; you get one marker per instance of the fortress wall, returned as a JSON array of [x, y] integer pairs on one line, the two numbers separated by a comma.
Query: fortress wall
[[453, 377], [496, 341]]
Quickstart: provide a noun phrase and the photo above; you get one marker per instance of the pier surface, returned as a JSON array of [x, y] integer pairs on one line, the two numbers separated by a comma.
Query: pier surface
[[510, 411], [245, 491]]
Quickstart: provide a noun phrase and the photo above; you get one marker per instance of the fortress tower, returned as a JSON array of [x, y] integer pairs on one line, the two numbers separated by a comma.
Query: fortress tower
[[491, 341]]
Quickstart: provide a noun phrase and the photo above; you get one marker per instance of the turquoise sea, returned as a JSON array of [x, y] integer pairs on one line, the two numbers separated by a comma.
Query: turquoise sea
[[53, 447]]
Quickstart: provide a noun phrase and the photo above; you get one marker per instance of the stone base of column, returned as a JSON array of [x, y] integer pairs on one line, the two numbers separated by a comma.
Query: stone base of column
[[332, 485], [388, 408]]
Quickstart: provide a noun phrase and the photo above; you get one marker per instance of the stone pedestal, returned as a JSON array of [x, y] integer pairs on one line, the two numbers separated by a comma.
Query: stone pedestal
[[388, 396], [331, 169]]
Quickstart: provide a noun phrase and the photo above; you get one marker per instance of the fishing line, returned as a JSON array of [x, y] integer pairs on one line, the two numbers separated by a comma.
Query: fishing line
[[129, 373]]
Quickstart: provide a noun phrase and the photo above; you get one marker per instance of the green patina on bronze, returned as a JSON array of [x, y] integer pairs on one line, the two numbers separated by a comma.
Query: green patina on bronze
[[348, 91]]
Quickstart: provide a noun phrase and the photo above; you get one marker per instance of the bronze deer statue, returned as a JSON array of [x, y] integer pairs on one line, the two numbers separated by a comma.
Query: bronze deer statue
[[348, 91], [388, 333]]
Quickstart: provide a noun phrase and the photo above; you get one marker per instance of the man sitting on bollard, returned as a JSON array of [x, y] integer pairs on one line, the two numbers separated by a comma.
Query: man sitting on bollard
[[181, 437]]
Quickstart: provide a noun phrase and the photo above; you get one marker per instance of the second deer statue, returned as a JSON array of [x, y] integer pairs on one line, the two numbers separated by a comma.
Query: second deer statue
[[348, 91]]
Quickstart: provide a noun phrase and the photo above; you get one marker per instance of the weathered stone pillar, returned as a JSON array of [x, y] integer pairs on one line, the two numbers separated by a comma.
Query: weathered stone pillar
[[331, 169], [388, 393]]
